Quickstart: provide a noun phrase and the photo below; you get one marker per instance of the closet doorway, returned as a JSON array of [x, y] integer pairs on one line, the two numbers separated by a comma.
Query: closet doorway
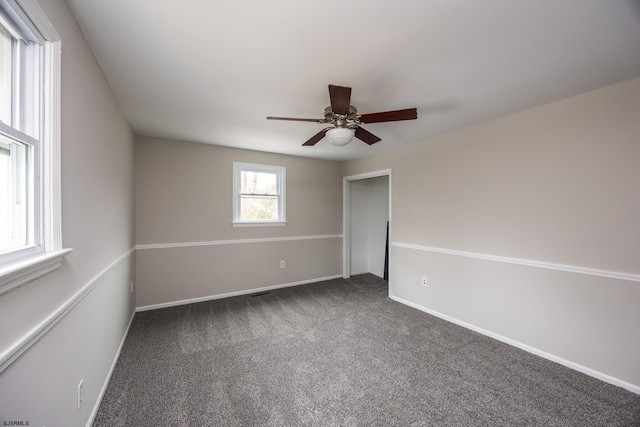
[[367, 223]]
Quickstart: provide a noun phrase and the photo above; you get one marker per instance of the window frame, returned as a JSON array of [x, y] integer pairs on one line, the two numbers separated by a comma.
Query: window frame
[[280, 172], [42, 125]]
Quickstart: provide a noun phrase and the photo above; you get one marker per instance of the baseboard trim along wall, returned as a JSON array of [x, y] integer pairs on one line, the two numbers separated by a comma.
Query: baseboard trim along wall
[[103, 390], [235, 242], [531, 263], [234, 294], [8, 356], [588, 371]]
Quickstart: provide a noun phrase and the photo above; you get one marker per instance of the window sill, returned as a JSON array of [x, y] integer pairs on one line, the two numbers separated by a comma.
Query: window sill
[[258, 223], [18, 273]]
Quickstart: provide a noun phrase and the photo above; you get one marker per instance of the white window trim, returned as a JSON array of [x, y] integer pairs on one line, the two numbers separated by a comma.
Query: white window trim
[[281, 172], [19, 272]]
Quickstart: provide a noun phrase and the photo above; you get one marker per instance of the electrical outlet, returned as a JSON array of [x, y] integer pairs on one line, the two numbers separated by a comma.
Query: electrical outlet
[[282, 264], [132, 286], [424, 281], [80, 397]]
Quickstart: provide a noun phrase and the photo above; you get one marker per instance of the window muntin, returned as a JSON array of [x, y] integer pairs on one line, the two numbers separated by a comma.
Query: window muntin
[[258, 194]]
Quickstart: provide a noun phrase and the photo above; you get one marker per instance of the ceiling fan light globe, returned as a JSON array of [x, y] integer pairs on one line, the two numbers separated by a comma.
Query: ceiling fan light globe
[[339, 136]]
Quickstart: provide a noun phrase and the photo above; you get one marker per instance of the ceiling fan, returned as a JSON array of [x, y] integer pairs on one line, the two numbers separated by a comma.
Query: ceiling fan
[[345, 121]]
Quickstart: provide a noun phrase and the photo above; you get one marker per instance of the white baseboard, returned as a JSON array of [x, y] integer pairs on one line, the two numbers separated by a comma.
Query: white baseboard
[[96, 407], [588, 371], [233, 294]]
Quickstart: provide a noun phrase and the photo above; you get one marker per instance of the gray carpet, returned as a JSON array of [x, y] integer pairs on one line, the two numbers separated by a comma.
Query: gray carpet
[[340, 353]]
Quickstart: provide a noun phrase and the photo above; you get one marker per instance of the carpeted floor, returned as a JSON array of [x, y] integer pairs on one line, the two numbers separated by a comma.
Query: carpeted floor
[[340, 353]]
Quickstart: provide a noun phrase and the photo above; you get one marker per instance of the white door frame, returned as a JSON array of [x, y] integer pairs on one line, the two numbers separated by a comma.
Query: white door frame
[[346, 215]]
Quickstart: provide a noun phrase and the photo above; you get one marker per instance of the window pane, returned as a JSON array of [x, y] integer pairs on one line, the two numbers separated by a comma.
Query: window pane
[[258, 208], [5, 78], [259, 183], [13, 195]]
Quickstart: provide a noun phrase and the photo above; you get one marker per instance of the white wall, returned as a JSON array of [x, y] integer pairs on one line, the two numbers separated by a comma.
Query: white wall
[[368, 213], [378, 217], [527, 228], [97, 215], [359, 226]]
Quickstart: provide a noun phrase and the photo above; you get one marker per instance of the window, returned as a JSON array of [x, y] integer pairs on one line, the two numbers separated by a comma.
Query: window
[[30, 235], [15, 226], [258, 192]]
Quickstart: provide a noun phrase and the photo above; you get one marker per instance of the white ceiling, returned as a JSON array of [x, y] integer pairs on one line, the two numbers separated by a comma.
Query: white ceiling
[[211, 71]]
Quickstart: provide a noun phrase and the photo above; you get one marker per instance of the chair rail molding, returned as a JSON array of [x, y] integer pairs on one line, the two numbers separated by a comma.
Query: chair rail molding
[[235, 242], [526, 262]]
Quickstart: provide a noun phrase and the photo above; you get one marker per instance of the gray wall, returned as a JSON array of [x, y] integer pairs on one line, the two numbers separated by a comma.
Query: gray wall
[[97, 214], [184, 200], [555, 186]]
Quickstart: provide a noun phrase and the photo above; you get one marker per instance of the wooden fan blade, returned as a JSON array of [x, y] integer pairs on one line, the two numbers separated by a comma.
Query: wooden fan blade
[[340, 98], [293, 119], [315, 138], [390, 116], [366, 136]]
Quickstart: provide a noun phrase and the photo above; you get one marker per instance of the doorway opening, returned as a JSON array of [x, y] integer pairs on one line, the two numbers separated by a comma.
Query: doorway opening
[[366, 223]]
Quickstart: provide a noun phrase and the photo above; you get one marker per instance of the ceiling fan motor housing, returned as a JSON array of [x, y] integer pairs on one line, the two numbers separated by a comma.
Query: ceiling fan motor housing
[[350, 120]]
